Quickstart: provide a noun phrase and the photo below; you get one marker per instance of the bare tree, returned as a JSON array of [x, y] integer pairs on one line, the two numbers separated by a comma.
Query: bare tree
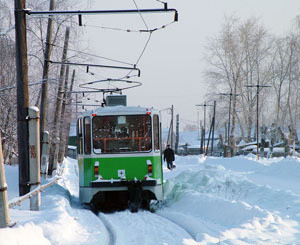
[[239, 57], [7, 81]]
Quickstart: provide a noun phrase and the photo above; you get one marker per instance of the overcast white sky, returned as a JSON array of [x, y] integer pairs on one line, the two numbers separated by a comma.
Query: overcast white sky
[[171, 67]]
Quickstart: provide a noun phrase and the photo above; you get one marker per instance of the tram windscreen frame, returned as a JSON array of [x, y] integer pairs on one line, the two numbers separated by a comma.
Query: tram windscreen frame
[[113, 134]]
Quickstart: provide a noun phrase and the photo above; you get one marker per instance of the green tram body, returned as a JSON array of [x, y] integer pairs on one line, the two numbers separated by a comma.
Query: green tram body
[[112, 159]]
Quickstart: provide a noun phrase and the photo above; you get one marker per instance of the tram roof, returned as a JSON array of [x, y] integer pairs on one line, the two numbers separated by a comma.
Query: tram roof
[[120, 110]]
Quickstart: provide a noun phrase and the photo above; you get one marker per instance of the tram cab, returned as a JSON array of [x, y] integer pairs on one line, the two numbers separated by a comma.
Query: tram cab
[[119, 156]]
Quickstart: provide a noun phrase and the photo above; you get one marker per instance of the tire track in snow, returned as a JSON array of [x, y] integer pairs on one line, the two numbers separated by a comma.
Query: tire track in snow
[[109, 228]]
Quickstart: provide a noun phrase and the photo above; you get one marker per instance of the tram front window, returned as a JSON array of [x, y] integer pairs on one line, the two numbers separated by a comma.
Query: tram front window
[[118, 134]]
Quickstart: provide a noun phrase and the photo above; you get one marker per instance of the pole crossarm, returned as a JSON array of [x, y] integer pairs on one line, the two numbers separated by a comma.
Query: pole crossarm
[[95, 65], [87, 12], [229, 94], [258, 86], [92, 91], [80, 104], [204, 105]]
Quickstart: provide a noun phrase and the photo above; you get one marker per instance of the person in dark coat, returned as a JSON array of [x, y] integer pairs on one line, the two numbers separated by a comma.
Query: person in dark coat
[[169, 156]]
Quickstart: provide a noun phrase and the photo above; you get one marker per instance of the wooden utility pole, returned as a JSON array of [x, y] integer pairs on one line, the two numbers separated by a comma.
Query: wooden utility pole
[[177, 134], [202, 140], [53, 145], [62, 120], [229, 113], [203, 129], [213, 129], [229, 145], [69, 99], [257, 86], [22, 96], [47, 55], [172, 126]]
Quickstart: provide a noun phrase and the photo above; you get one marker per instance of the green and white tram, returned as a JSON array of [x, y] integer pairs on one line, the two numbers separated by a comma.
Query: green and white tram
[[119, 157]]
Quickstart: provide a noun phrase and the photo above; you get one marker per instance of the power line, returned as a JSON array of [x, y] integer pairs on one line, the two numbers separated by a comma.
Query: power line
[[140, 14], [160, 1], [188, 121], [130, 30], [114, 60], [94, 55]]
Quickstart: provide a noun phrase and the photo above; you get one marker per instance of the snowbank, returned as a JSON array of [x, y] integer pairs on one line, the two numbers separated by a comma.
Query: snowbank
[[207, 201]]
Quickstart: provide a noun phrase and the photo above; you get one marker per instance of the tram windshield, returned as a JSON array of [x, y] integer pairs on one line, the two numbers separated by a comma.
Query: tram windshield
[[118, 134]]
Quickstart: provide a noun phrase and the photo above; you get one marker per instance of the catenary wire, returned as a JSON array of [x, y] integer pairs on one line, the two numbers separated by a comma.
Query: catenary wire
[[142, 52], [140, 14], [94, 55], [129, 30]]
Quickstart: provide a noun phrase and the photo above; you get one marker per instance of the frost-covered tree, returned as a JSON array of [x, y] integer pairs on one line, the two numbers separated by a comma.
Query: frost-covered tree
[[36, 36], [238, 57]]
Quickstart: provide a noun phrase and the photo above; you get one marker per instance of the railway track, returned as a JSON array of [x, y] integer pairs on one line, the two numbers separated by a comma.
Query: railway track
[[127, 228], [144, 228], [109, 228], [191, 233]]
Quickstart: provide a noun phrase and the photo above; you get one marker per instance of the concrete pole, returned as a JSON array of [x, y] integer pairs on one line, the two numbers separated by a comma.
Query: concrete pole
[[34, 155], [44, 158], [4, 213]]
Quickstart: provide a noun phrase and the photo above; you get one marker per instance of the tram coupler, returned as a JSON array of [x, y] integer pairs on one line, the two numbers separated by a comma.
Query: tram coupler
[[135, 191]]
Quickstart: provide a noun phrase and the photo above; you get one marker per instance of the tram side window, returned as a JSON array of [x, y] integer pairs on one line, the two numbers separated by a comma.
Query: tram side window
[[156, 132], [87, 135], [79, 136]]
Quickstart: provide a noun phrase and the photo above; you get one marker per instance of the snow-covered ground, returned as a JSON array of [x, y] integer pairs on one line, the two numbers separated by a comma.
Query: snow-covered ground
[[207, 201]]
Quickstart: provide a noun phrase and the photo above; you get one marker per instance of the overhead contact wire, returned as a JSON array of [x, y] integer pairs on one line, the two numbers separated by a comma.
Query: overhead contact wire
[[94, 55]]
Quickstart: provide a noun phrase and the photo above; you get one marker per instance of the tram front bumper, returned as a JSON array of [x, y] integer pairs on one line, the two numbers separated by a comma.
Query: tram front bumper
[[122, 183], [86, 193]]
